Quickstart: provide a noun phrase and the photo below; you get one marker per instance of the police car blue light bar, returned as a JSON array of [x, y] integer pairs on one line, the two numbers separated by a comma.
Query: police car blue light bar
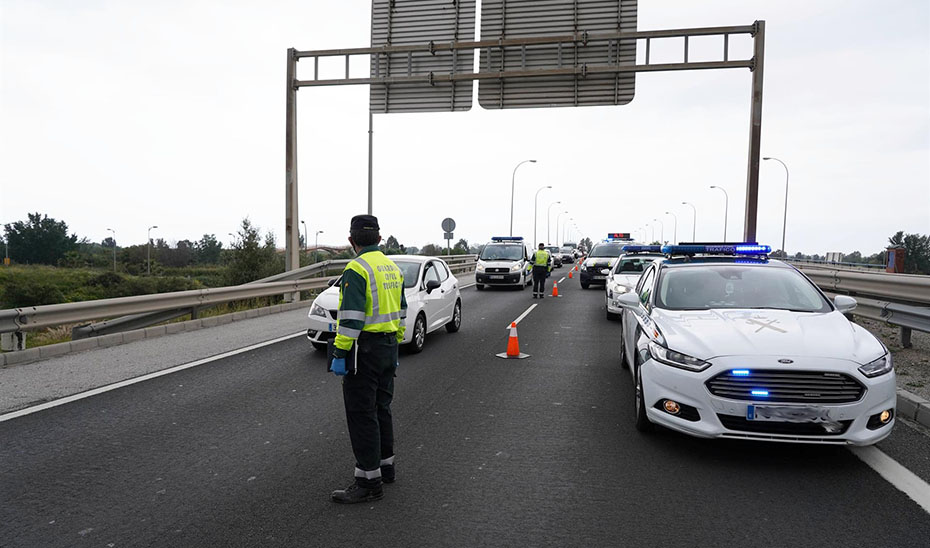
[[618, 236], [506, 238], [641, 248], [747, 248]]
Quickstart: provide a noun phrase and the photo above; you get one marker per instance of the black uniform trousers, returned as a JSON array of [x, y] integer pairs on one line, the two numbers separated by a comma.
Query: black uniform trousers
[[368, 394], [539, 279]]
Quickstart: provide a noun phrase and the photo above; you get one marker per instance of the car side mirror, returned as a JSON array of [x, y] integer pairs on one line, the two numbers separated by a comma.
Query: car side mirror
[[431, 285], [844, 303], [628, 300], [332, 282]]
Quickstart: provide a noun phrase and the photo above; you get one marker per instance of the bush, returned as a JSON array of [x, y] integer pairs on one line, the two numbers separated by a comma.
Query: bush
[[31, 292]]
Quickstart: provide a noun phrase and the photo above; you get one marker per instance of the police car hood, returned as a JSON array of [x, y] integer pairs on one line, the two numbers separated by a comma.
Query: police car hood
[[707, 334], [600, 261], [499, 264], [628, 280]]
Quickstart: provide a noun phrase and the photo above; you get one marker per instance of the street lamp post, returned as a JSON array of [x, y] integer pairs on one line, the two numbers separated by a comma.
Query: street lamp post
[[148, 258], [694, 221], [316, 246], [549, 222], [557, 217], [726, 209], [114, 248], [784, 222], [675, 233], [661, 231], [513, 179], [535, 204]]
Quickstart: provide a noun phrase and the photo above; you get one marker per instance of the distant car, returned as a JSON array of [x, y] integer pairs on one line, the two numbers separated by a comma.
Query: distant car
[[626, 272], [722, 342], [503, 261], [568, 254], [556, 256], [597, 265], [433, 301]]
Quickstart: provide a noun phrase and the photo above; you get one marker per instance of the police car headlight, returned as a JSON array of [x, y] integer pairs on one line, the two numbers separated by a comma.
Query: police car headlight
[[878, 367], [621, 289], [479, 268], [675, 359], [516, 268], [317, 310]]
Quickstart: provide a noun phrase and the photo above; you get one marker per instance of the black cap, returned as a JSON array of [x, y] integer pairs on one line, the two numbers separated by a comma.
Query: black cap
[[364, 222]]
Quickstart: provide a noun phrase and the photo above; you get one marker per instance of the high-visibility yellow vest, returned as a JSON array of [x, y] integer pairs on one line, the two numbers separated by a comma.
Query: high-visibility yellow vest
[[542, 258], [385, 281]]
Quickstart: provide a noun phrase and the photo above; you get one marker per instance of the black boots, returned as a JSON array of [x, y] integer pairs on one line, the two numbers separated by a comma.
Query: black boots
[[360, 491], [387, 473]]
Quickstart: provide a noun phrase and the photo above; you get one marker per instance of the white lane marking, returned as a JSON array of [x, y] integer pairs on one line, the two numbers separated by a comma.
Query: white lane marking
[[521, 316], [127, 382], [895, 474], [562, 280]]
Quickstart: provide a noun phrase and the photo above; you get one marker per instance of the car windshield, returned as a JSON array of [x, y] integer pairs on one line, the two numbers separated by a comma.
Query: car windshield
[[566, 249], [634, 264], [737, 286], [552, 249], [607, 250], [411, 272], [501, 253]]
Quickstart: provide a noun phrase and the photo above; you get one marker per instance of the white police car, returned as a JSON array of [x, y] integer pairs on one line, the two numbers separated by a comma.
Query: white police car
[[626, 272], [503, 261], [433, 301], [725, 343]]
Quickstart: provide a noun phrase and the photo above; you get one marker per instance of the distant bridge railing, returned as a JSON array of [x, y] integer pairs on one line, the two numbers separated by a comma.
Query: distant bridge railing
[[143, 310]]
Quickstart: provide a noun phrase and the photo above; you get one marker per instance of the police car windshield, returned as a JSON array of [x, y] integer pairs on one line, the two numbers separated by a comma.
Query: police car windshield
[[737, 286], [411, 272], [501, 252], [634, 265], [607, 249], [567, 249]]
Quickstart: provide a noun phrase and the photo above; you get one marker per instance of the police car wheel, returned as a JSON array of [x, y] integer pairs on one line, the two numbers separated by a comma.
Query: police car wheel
[[623, 363], [456, 322], [611, 316], [585, 285], [642, 421], [479, 287], [318, 346], [418, 341]]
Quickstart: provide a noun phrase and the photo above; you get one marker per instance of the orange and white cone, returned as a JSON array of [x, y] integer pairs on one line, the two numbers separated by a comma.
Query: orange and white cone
[[555, 288], [513, 346], [570, 274]]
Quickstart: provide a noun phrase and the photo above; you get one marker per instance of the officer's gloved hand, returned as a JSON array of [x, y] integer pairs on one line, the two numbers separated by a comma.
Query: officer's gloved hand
[[339, 367]]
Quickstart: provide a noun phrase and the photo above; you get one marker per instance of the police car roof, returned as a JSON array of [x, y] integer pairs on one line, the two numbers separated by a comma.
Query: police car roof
[[704, 260]]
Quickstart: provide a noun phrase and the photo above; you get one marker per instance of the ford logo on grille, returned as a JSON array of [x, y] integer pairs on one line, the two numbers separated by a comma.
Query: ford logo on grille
[[785, 360]]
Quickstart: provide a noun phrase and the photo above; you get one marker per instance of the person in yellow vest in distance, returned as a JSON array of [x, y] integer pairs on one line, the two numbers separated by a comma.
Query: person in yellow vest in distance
[[372, 308], [542, 262]]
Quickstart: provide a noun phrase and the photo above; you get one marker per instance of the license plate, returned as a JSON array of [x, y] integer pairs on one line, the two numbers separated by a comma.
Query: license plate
[[784, 413], [493, 277], [332, 327], [600, 277]]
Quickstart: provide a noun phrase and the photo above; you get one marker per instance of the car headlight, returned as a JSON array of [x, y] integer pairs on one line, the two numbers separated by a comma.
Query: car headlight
[[317, 310], [479, 268], [878, 367], [621, 289], [676, 359], [516, 268]]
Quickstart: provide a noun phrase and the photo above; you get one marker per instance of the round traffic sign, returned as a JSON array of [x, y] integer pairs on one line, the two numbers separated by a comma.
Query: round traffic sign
[[448, 224]]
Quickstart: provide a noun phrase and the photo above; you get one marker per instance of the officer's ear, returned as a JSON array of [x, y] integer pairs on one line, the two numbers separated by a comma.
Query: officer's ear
[[352, 243]]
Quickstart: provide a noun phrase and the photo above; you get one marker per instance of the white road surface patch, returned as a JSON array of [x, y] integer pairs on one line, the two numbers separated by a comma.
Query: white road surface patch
[[521, 316], [895, 474], [127, 382]]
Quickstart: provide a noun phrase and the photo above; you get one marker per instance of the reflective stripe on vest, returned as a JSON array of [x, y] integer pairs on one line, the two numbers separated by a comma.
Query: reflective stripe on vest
[[385, 286]]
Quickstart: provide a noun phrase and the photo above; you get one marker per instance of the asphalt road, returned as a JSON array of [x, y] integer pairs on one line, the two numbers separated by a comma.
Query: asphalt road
[[244, 451]]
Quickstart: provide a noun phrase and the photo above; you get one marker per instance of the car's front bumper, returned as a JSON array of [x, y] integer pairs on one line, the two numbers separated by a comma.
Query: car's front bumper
[[594, 275], [320, 328], [613, 305], [662, 382], [511, 278]]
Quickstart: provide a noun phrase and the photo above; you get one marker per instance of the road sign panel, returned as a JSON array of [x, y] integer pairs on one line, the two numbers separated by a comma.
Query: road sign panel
[[505, 19], [406, 22], [448, 224]]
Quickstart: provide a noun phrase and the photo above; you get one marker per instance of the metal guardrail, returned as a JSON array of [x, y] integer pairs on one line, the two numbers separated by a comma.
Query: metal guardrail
[[159, 306], [865, 267]]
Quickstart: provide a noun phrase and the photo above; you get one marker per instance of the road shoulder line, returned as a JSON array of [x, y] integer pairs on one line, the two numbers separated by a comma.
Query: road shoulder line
[[148, 376], [521, 316], [895, 474]]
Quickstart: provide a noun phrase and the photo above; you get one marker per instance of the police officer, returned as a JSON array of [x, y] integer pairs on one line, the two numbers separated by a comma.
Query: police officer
[[371, 315], [541, 262]]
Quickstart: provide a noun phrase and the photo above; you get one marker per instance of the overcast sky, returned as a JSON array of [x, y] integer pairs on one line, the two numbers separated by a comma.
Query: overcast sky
[[126, 114]]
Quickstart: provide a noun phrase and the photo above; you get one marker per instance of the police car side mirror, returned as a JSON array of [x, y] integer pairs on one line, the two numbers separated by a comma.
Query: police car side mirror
[[844, 303], [332, 282], [628, 300], [431, 285]]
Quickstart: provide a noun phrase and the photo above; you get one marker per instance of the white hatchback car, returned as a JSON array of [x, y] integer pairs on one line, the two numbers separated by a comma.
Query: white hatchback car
[[626, 272], [731, 345], [433, 301]]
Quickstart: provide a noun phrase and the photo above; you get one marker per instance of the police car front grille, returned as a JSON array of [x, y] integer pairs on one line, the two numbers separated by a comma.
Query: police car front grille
[[787, 386], [741, 424], [497, 270]]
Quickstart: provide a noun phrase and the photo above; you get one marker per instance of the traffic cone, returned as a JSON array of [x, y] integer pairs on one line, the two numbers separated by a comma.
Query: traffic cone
[[555, 288], [570, 273], [513, 346]]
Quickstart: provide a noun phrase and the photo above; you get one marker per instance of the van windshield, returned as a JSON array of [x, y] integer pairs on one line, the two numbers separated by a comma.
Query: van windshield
[[502, 252]]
